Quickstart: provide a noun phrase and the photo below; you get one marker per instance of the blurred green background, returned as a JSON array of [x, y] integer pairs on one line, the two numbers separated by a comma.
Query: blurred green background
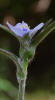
[[40, 83]]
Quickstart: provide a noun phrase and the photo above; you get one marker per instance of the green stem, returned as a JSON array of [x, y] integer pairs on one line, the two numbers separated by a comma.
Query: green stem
[[22, 89]]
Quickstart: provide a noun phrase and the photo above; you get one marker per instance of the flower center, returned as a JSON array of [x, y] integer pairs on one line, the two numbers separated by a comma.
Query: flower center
[[25, 27]]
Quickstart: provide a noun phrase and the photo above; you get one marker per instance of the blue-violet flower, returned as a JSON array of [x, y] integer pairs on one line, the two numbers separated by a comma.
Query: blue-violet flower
[[21, 29]]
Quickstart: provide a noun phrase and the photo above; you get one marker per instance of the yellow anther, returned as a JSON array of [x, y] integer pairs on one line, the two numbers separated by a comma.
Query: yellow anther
[[25, 26], [29, 26]]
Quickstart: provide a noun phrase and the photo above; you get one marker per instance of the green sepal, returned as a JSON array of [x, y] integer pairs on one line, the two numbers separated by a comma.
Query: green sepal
[[29, 53]]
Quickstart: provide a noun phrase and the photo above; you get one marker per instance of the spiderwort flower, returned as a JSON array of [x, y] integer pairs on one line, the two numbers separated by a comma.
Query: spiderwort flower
[[21, 29]]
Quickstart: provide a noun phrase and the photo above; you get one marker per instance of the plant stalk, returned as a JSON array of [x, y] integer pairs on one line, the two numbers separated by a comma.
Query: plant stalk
[[22, 88]]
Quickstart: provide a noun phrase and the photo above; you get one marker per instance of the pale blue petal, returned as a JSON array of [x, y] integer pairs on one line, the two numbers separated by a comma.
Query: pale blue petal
[[9, 25], [25, 24], [13, 29], [18, 30], [19, 25], [37, 28]]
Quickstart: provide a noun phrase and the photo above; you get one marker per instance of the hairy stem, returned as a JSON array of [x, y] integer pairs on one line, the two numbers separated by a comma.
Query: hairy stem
[[22, 89]]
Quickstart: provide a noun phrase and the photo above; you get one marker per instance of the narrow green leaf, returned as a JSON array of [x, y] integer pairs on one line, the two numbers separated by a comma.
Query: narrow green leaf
[[7, 30], [40, 37], [8, 87], [15, 59]]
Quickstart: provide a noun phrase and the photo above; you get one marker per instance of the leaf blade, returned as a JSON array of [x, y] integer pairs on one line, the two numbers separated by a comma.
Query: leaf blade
[[15, 59], [40, 37]]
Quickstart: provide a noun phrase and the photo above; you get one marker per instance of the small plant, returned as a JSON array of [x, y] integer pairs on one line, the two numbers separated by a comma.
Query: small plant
[[29, 40]]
